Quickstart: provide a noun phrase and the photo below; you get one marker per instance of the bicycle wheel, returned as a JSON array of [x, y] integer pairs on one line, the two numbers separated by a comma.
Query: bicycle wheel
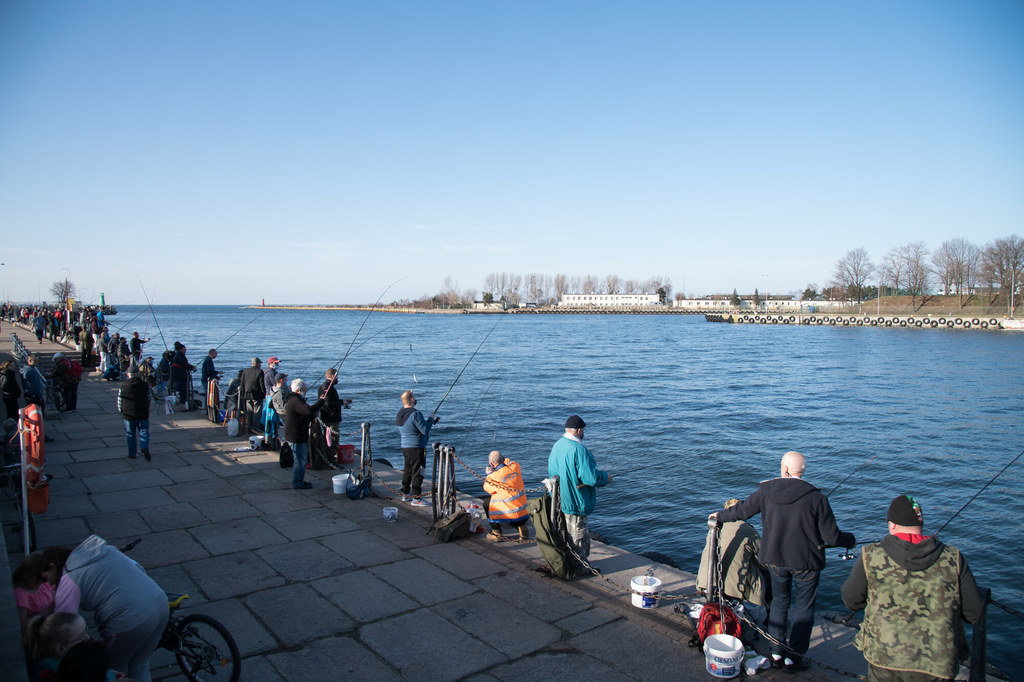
[[206, 650]]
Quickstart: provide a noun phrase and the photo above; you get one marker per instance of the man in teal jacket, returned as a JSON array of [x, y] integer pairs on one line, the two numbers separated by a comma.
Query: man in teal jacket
[[578, 479]]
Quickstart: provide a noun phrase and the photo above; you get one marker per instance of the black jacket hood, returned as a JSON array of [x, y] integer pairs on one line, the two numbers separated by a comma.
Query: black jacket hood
[[913, 556], [403, 415]]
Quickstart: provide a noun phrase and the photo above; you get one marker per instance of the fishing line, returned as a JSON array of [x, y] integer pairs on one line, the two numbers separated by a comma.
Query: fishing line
[[464, 368], [851, 474], [991, 481], [469, 430], [152, 313], [241, 328]]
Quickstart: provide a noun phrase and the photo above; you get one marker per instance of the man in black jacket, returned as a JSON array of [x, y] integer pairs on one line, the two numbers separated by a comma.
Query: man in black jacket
[[253, 393], [133, 404], [330, 415], [297, 417], [798, 524]]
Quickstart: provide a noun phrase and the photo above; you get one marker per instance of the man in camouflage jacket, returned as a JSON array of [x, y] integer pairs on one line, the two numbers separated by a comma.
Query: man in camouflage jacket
[[915, 591]]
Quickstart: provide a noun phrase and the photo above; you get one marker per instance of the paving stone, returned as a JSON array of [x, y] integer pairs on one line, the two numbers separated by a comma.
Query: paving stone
[[174, 580], [147, 478], [105, 452], [111, 466], [232, 575], [587, 620], [408, 532], [118, 524], [363, 548], [223, 466], [305, 560], [132, 499], [618, 644], [349, 591], [185, 474], [162, 549], [68, 506], [294, 614], [459, 560], [491, 620], [423, 581], [254, 483], [333, 658], [201, 490], [181, 515], [237, 535], [276, 501], [309, 523], [542, 600], [564, 666], [410, 643], [249, 634], [259, 669], [68, 531], [225, 509]]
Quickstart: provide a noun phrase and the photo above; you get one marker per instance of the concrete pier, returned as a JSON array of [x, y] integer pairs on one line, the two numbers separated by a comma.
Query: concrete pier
[[952, 322], [314, 585]]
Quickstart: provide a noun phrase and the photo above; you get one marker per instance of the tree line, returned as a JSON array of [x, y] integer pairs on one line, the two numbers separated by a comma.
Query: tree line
[[957, 267], [544, 289]]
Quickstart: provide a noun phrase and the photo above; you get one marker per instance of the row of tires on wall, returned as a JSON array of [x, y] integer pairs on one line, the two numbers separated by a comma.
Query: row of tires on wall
[[868, 321]]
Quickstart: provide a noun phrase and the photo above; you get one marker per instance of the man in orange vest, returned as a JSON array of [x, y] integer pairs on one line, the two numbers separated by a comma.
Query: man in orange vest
[[507, 505]]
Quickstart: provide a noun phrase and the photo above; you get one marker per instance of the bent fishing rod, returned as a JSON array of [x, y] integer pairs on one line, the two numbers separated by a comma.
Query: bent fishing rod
[[445, 397], [153, 314]]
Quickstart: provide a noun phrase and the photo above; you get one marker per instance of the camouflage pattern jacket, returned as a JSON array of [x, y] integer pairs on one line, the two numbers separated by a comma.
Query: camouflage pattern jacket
[[914, 597]]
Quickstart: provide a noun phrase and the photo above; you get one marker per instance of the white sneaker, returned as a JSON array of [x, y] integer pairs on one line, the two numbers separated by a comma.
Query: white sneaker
[[420, 503], [406, 498]]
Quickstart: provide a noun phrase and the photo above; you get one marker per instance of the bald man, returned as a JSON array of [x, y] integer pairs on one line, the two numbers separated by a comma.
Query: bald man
[[798, 524]]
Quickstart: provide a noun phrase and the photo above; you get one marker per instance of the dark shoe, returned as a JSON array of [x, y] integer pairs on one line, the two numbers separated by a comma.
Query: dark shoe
[[305, 485], [793, 665], [145, 453], [777, 661]]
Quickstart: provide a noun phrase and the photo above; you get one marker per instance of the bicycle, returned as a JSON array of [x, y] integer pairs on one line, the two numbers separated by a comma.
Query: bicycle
[[54, 395], [202, 646]]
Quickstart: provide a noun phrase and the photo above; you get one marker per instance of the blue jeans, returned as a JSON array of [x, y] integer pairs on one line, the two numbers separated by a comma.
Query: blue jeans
[[793, 596], [299, 467], [133, 427]]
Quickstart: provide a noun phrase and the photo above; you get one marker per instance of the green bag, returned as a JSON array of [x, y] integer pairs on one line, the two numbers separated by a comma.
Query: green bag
[[452, 527], [550, 539]]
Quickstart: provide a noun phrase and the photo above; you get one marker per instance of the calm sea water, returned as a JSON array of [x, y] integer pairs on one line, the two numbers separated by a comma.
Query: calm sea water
[[684, 413]]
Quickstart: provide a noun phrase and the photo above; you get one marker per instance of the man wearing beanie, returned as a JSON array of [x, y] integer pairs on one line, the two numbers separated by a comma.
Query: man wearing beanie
[[914, 591], [578, 480], [797, 524]]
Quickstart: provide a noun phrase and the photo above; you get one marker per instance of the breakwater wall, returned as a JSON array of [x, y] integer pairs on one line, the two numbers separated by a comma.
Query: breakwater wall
[[861, 320]]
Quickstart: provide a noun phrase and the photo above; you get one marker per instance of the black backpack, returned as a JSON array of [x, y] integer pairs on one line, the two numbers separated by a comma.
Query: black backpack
[[550, 536], [452, 527], [286, 459]]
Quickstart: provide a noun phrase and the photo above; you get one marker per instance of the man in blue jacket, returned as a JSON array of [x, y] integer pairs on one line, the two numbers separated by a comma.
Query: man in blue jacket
[[578, 480], [414, 430]]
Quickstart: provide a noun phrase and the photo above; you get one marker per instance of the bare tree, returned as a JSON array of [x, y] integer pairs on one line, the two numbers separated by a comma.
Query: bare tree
[[1002, 262], [449, 291], [590, 284], [631, 286], [915, 265], [893, 270], [561, 286], [956, 265], [468, 296], [852, 272], [491, 284], [612, 284], [62, 291]]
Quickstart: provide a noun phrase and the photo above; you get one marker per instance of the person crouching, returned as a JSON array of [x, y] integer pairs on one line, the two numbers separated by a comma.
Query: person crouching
[[507, 505]]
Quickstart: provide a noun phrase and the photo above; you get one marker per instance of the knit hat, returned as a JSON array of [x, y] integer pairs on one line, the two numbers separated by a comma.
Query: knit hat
[[574, 422], [905, 511]]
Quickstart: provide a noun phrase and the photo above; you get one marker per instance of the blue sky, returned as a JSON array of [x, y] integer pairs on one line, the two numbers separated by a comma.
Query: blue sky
[[227, 152]]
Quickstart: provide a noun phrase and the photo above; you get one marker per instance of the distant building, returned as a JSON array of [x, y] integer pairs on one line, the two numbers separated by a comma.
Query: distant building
[[493, 305], [607, 300]]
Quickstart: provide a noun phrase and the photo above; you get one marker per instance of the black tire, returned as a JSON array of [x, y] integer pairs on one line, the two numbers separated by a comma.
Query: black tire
[[950, 324], [58, 400], [206, 650]]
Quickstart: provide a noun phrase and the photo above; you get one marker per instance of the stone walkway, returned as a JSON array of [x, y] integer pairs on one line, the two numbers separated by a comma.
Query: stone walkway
[[315, 585]]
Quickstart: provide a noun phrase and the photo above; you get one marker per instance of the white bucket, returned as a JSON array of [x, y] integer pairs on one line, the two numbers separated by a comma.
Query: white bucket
[[340, 483], [724, 655], [645, 591], [390, 514]]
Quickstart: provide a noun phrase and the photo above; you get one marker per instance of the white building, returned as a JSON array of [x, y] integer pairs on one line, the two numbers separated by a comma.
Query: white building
[[607, 300]]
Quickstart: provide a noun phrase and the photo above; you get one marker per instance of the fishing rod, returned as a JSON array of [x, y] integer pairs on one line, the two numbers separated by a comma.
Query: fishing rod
[[241, 328], [153, 314], [337, 365], [990, 482], [851, 474], [434, 413]]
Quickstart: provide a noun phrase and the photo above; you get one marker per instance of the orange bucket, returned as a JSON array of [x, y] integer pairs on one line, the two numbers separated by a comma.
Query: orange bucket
[[38, 499], [346, 454]]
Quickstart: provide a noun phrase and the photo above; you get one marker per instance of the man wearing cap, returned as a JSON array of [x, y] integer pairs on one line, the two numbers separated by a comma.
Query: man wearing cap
[[270, 375], [578, 480], [914, 591], [797, 524], [133, 404]]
